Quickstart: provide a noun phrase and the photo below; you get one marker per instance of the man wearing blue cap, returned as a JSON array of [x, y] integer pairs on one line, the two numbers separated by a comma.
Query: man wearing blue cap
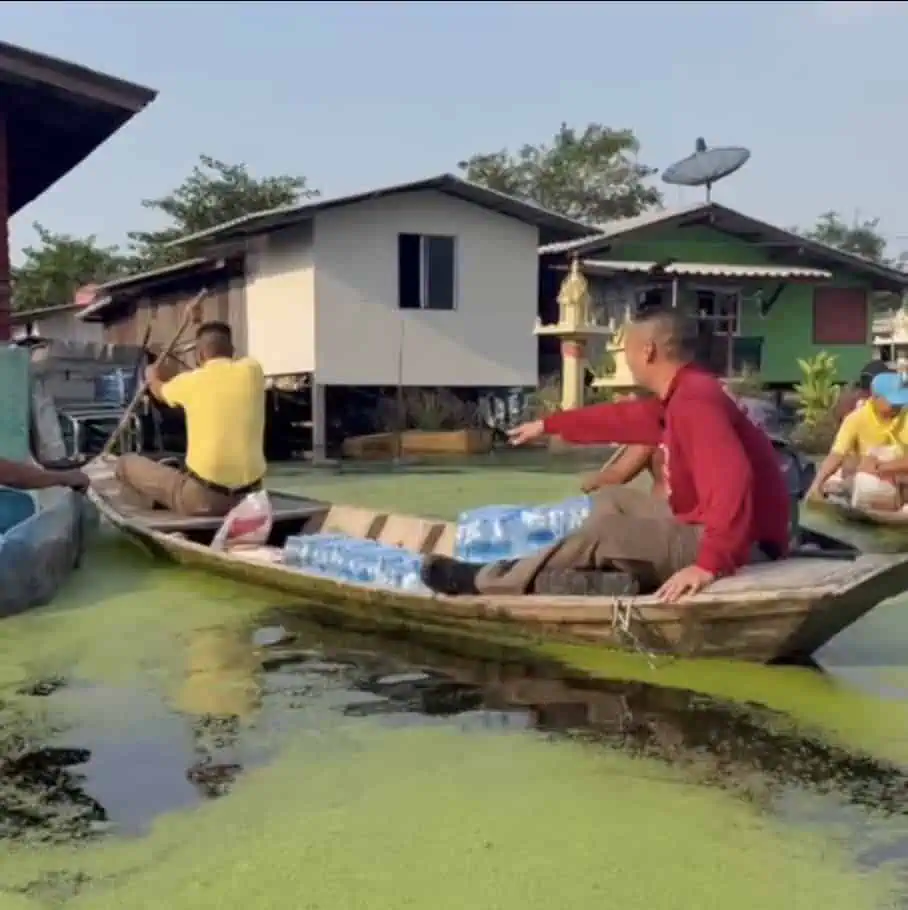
[[873, 437]]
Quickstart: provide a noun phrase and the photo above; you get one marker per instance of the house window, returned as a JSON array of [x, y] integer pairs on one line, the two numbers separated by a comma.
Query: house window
[[840, 316], [720, 309], [426, 272], [650, 299]]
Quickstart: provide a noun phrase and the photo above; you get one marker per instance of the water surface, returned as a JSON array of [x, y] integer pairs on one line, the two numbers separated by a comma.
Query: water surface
[[173, 735]]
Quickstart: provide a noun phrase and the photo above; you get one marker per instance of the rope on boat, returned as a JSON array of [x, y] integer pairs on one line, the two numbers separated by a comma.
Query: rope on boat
[[624, 612]]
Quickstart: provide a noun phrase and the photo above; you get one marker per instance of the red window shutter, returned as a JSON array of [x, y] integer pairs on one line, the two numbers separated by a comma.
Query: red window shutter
[[840, 316]]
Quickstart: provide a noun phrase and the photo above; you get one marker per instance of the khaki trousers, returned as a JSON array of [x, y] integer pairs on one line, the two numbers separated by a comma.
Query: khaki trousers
[[627, 531], [151, 484]]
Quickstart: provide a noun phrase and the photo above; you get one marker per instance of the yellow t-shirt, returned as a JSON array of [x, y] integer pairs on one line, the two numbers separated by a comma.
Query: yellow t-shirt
[[224, 402], [863, 430]]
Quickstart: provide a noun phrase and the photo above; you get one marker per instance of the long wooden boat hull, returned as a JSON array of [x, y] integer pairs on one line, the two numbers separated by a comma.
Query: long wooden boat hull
[[784, 610], [38, 554], [843, 510]]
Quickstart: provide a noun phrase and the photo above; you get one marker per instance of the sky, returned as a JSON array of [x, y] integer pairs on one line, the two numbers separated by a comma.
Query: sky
[[356, 95]]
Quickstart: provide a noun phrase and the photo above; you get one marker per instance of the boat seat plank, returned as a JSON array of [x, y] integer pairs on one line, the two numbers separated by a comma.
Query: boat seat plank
[[285, 508]]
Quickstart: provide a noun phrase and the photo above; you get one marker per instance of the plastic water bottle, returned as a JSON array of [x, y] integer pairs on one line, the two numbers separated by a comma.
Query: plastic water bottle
[[291, 554], [485, 535], [409, 579]]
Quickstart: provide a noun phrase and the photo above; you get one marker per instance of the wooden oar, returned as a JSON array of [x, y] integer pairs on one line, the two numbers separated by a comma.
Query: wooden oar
[[185, 322]]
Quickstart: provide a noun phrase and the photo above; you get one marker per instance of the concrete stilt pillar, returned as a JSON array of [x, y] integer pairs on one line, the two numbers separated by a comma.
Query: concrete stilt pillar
[[319, 423]]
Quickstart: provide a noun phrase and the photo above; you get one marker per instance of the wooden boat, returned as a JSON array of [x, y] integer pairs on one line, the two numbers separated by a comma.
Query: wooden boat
[[776, 611], [841, 508], [42, 546]]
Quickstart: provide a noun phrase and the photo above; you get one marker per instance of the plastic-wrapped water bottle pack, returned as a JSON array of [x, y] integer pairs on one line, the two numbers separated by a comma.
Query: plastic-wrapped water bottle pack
[[512, 532], [349, 559], [483, 535]]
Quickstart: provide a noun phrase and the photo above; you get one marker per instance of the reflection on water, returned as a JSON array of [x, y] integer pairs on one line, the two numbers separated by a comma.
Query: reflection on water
[[246, 689], [163, 692]]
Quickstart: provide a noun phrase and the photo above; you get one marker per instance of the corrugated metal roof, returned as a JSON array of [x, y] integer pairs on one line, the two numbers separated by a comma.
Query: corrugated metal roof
[[271, 219], [621, 226], [706, 269], [889, 278], [105, 290]]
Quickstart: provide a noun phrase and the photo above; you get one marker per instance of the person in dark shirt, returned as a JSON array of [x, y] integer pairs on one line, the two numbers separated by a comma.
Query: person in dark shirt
[[727, 501]]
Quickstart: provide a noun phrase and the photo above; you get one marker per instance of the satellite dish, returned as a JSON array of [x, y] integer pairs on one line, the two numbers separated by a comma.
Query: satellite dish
[[706, 166]]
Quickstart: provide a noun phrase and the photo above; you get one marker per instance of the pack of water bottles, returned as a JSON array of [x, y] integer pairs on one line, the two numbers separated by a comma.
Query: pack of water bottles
[[491, 533], [352, 560], [483, 535]]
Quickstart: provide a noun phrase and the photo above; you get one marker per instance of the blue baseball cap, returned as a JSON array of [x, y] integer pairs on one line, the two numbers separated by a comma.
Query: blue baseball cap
[[891, 387]]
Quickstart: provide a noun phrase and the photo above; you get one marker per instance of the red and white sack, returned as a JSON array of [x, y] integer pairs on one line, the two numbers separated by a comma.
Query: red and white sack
[[871, 492], [246, 524]]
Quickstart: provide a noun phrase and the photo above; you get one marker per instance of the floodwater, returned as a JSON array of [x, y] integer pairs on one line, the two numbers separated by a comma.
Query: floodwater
[[173, 740]]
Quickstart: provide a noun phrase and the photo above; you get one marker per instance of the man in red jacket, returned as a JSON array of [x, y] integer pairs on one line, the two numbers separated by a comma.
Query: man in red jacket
[[727, 503]]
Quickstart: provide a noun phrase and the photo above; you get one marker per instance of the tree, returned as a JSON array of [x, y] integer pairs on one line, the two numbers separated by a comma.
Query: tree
[[214, 193], [861, 238], [593, 175], [56, 268]]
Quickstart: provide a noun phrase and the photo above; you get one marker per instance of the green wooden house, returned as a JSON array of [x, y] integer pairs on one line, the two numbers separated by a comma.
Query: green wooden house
[[762, 296]]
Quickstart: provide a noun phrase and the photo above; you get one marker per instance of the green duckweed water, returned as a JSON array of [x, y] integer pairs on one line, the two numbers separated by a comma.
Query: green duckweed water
[[234, 771]]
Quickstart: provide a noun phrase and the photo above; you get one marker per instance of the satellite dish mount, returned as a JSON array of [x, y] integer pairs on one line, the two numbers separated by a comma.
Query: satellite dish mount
[[706, 166]]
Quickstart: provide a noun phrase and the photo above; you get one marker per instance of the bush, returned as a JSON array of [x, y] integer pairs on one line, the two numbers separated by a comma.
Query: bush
[[429, 410], [816, 438], [818, 392]]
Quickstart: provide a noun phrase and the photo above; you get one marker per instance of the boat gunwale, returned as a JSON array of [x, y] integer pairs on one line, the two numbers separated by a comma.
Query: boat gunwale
[[540, 609], [875, 517]]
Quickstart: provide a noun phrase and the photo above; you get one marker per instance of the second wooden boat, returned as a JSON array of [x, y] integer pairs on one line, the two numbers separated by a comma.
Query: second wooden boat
[[841, 508], [783, 610], [41, 542]]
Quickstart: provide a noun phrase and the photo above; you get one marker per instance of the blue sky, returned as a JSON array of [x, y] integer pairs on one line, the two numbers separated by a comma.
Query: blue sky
[[355, 94]]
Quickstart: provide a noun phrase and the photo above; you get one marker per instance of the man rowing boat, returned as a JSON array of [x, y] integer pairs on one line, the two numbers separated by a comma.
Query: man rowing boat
[[727, 503], [224, 404]]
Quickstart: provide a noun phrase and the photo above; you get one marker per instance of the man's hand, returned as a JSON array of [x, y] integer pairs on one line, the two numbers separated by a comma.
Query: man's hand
[[589, 483], [814, 494], [526, 432], [688, 581], [153, 374], [75, 480], [869, 464]]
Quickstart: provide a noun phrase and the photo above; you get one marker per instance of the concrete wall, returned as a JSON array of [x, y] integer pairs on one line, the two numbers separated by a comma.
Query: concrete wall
[[486, 341], [280, 301]]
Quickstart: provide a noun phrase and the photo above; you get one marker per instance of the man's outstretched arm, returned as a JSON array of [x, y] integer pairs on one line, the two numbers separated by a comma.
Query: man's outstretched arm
[[23, 476]]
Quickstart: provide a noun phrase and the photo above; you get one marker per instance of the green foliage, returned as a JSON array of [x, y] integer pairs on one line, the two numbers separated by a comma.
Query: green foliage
[[817, 395], [818, 391], [591, 175], [214, 192], [430, 410], [862, 238], [545, 399], [59, 265]]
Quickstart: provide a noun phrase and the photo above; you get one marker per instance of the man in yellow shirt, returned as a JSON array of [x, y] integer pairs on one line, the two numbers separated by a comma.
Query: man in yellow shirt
[[879, 423], [224, 404]]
